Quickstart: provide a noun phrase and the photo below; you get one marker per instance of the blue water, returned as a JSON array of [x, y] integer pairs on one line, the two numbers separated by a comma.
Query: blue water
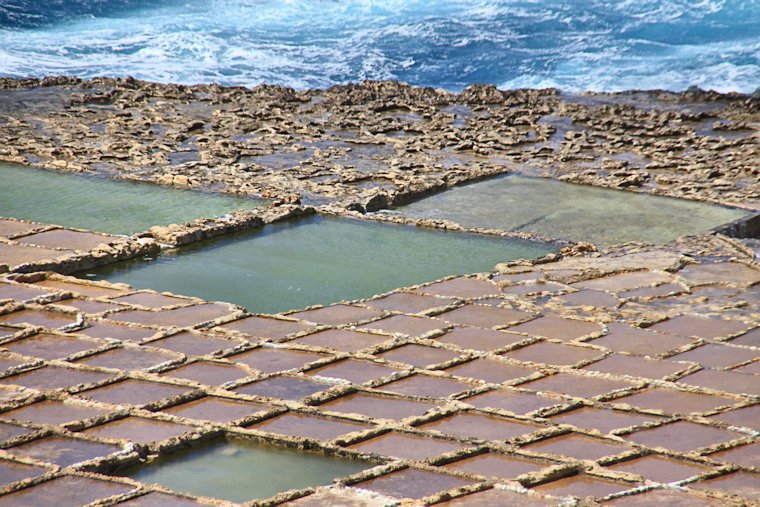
[[571, 44]]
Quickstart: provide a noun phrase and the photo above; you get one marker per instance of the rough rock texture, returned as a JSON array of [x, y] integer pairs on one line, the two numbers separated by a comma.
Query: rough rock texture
[[621, 377], [29, 246], [596, 378], [204, 228], [377, 144]]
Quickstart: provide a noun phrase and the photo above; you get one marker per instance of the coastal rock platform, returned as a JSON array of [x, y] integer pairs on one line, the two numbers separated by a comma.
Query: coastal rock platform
[[617, 377], [377, 144]]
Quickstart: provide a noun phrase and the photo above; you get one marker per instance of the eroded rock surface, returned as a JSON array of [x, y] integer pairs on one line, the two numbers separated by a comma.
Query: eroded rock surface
[[375, 144]]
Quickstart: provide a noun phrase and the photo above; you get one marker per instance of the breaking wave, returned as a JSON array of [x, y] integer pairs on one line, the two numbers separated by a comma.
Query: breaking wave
[[570, 44]]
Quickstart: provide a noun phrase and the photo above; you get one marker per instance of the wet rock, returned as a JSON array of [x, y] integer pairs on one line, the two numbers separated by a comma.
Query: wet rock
[[376, 202]]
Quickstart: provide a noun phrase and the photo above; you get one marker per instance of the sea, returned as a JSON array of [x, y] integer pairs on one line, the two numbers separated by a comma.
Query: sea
[[573, 45]]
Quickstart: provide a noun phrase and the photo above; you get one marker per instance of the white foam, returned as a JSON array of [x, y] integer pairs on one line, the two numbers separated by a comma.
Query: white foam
[[574, 46]]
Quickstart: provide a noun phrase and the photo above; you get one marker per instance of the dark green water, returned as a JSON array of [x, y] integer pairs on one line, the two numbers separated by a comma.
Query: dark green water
[[237, 470], [316, 260], [104, 205], [554, 209]]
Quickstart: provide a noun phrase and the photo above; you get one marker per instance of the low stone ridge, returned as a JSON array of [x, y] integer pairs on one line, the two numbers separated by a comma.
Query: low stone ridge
[[29, 247]]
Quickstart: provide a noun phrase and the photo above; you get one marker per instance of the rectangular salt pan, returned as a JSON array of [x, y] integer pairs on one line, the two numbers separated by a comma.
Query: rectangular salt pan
[[104, 205], [554, 209], [317, 260], [238, 471]]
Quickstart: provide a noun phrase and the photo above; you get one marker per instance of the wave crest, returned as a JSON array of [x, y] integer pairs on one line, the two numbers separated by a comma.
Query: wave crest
[[595, 45]]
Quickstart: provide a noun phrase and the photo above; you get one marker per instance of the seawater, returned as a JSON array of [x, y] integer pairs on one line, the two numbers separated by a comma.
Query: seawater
[[103, 204], [316, 260], [574, 45], [238, 470], [554, 209]]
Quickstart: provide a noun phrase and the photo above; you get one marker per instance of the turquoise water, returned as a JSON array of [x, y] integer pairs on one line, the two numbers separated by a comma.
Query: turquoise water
[[101, 204], [316, 261], [570, 44], [554, 209], [238, 471]]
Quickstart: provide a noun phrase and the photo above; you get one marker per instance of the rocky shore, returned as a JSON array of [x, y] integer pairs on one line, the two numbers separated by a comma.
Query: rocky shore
[[626, 377], [374, 145]]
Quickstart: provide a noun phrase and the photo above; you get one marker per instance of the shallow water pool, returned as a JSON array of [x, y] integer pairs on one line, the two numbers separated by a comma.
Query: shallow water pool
[[104, 205], [554, 209], [237, 470], [316, 260]]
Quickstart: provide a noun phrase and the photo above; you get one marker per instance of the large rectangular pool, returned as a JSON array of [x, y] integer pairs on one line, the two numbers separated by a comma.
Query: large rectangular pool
[[102, 204], [554, 209], [316, 260]]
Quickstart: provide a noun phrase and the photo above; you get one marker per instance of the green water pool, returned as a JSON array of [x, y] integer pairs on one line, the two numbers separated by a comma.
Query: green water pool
[[317, 260], [238, 470], [555, 209], [102, 204]]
